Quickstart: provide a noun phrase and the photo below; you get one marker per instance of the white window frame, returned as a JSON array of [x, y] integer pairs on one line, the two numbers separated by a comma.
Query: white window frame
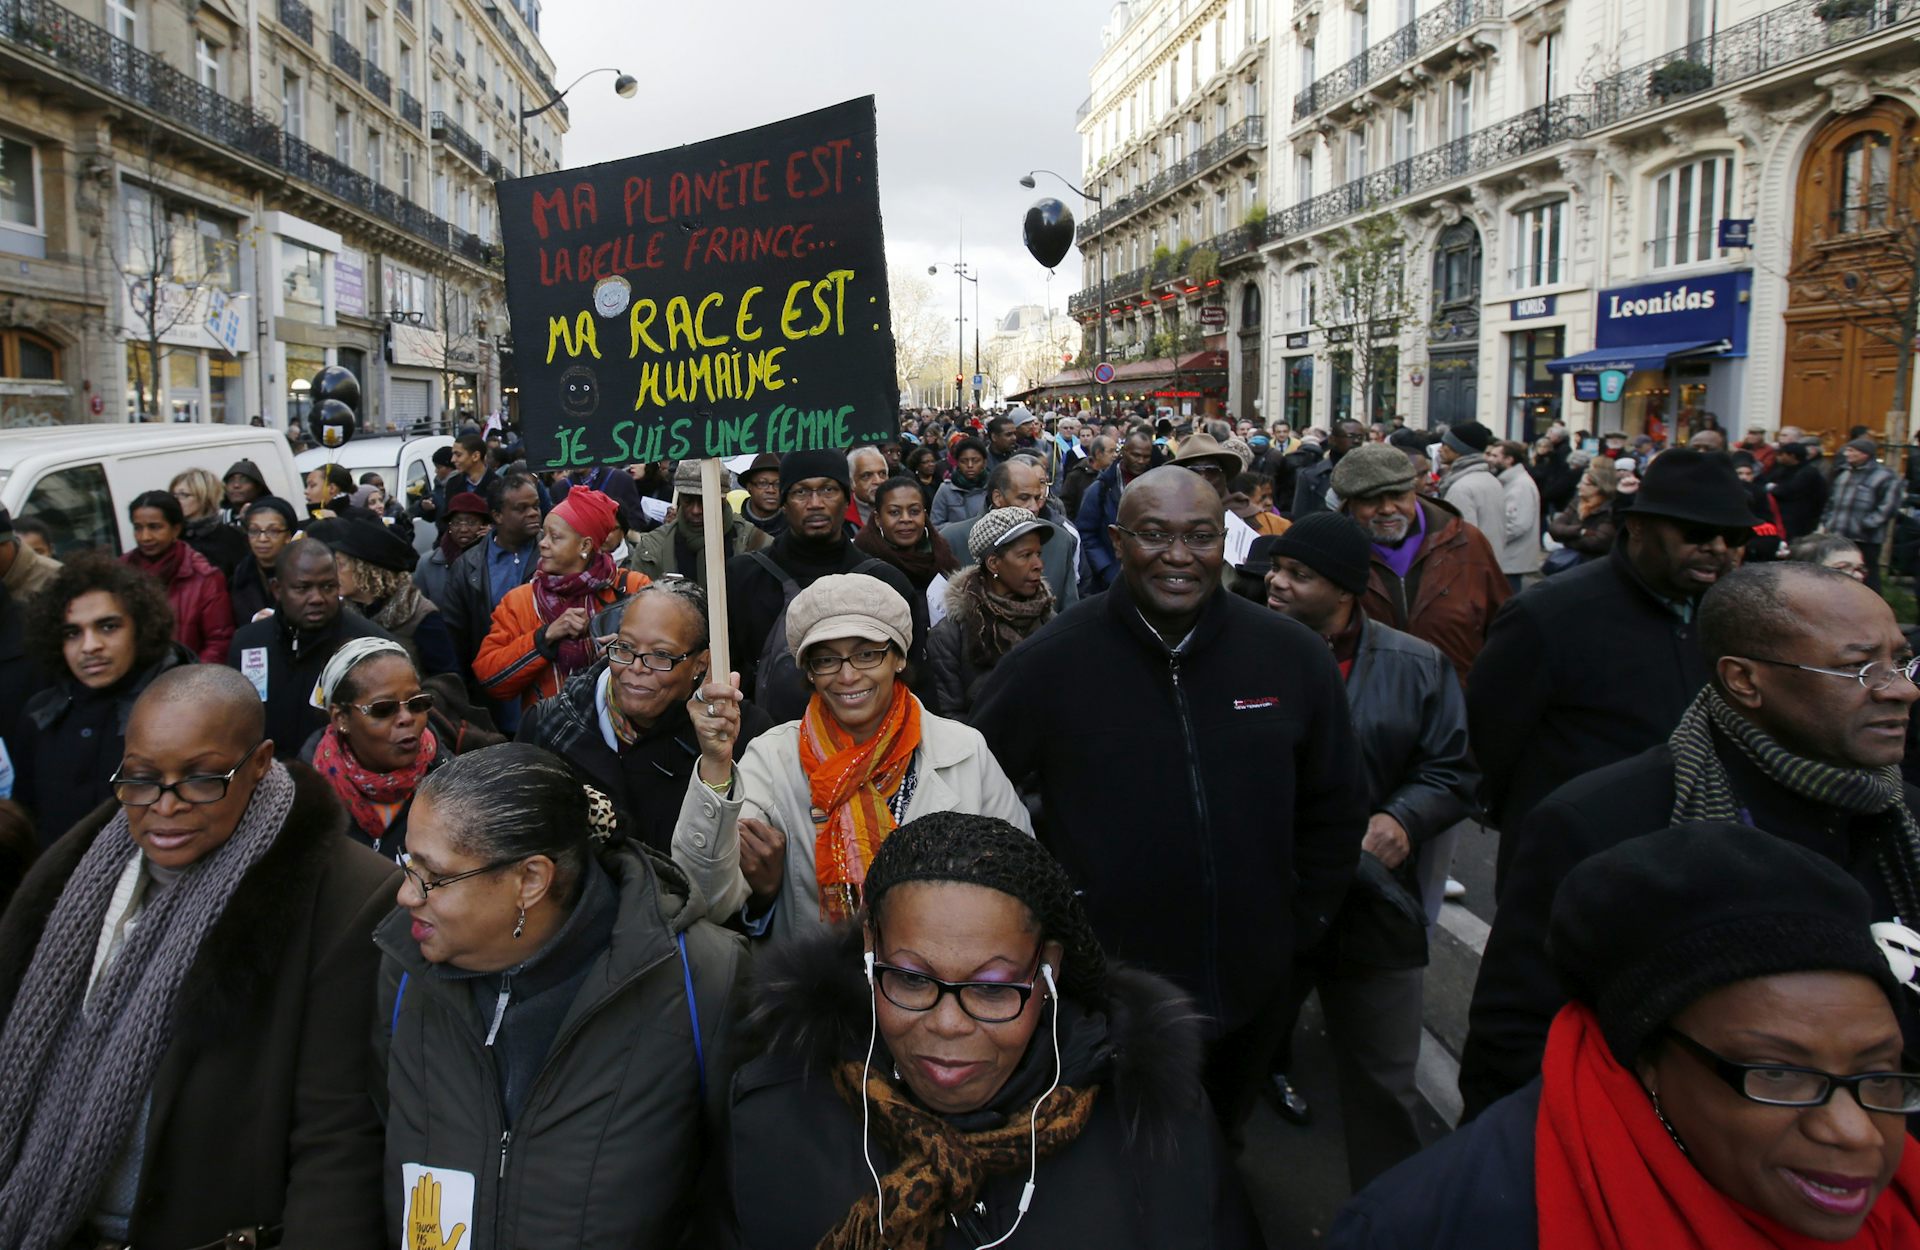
[[1356, 153], [27, 240], [1303, 286], [373, 40], [206, 62], [1302, 177], [375, 156], [123, 21], [1460, 107], [1404, 133], [343, 137], [406, 174], [1676, 243], [293, 104], [1539, 245]]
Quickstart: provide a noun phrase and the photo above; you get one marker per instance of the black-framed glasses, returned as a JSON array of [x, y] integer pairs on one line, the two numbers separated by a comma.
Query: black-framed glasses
[[1788, 1085], [197, 789], [386, 709], [657, 661], [427, 887], [1875, 675], [828, 665], [271, 531], [1160, 540], [989, 1002]]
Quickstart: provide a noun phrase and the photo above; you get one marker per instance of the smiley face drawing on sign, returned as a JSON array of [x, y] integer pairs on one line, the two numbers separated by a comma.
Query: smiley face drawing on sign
[[579, 392]]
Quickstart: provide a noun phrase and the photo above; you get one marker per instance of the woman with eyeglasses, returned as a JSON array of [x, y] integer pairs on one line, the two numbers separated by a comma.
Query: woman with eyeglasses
[[1728, 1075], [202, 497], [186, 995], [554, 1021], [963, 1067], [107, 631], [268, 525], [378, 745], [783, 842], [622, 725]]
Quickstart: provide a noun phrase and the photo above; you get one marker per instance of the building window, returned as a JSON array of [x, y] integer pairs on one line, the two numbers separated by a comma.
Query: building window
[[1221, 116], [406, 69], [1383, 387], [1342, 363], [1460, 107], [293, 108], [1688, 204], [440, 196], [1301, 293], [1548, 79], [29, 356], [1403, 133], [343, 136], [19, 193], [340, 18], [1357, 153], [1302, 177], [1253, 98], [122, 20], [1866, 168], [1306, 61], [178, 241], [1357, 30], [302, 279], [206, 62], [1533, 394], [1299, 397], [1539, 245], [376, 169], [406, 174], [373, 40], [1699, 20]]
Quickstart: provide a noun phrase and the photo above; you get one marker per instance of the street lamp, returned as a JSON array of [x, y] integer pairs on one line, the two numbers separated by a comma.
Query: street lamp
[[1100, 322], [965, 273], [624, 86]]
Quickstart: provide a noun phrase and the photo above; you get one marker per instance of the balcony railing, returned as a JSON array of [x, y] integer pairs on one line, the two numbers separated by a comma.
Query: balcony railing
[[409, 108], [297, 18], [1228, 246], [1431, 30], [345, 55], [1249, 132], [527, 58], [1560, 121], [379, 84], [49, 30], [450, 133], [1753, 47]]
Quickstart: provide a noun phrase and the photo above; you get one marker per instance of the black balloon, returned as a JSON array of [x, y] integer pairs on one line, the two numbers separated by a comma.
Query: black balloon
[[1049, 231], [333, 421], [336, 382]]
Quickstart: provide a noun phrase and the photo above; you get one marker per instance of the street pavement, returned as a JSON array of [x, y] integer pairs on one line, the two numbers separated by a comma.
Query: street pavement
[[1297, 1176]]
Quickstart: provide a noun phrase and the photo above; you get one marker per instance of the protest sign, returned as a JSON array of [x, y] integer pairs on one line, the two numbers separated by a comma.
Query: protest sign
[[715, 300]]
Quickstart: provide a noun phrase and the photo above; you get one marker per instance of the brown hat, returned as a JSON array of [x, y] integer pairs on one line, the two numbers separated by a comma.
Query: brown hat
[[761, 463], [1199, 449], [848, 605], [1372, 469]]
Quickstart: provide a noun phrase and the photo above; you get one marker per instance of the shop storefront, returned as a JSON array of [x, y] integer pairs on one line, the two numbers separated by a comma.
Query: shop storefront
[[1668, 356], [1297, 408], [1533, 390]]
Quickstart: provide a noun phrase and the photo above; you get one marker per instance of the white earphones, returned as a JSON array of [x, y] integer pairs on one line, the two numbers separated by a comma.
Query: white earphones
[[1033, 1123], [1901, 948]]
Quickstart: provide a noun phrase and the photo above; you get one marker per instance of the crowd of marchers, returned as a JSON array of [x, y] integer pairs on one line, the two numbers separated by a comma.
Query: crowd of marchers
[[401, 870]]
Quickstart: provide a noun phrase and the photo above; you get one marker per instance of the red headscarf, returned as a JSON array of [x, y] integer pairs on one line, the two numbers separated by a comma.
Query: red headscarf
[[1607, 1176], [592, 514]]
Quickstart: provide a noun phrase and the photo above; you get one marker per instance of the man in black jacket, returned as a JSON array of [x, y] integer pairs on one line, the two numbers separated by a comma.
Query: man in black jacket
[[284, 654], [1598, 663], [480, 577], [1800, 733], [1799, 488], [1316, 479], [1204, 791]]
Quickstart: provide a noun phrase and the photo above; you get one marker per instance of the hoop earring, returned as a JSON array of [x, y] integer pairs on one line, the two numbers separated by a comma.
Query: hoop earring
[[520, 926], [1667, 1124]]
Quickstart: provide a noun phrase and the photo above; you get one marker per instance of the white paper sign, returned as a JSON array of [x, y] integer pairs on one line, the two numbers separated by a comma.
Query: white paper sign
[[253, 667], [438, 1207]]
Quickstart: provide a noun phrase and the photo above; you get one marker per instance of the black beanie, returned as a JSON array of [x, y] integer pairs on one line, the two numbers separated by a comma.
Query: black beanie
[[1331, 545], [1469, 438], [799, 466], [1646, 928], [278, 506]]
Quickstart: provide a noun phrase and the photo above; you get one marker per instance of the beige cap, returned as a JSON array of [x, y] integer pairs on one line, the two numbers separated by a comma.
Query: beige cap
[[848, 605]]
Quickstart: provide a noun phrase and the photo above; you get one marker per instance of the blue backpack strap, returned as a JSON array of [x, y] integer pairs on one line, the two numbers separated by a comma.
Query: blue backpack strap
[[399, 996], [693, 1013]]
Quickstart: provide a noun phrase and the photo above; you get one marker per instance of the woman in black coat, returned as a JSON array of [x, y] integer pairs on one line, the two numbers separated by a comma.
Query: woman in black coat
[[969, 1016]]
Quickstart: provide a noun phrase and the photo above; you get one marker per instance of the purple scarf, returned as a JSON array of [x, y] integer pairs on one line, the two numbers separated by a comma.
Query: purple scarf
[[553, 594], [1400, 558]]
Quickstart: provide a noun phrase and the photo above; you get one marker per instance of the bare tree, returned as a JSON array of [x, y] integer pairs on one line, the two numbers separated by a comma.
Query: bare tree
[[920, 332], [1363, 299]]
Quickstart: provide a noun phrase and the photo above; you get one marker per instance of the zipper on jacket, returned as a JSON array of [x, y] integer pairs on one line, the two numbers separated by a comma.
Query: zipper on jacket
[[506, 1139], [1204, 828], [500, 1007]]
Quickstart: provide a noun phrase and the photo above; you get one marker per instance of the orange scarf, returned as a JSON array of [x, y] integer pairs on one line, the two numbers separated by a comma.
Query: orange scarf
[[1608, 1177], [850, 783]]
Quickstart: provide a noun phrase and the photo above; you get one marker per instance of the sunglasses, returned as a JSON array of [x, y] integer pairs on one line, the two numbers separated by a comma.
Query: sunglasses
[[386, 709], [1701, 535]]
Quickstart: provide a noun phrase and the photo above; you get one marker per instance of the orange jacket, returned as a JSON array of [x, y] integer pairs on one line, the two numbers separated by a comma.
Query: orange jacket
[[516, 657]]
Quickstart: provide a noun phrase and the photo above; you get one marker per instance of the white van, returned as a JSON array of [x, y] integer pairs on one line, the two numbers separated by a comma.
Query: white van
[[402, 463], [79, 479]]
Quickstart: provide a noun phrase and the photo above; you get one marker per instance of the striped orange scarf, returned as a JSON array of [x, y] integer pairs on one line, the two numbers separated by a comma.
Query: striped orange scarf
[[850, 783]]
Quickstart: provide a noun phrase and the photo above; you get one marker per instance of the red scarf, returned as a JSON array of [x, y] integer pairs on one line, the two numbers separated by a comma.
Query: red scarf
[[1607, 1176], [554, 594], [850, 783], [374, 799], [166, 568]]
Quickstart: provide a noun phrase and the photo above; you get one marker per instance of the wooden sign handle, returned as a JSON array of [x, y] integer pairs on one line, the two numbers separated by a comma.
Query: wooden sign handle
[[713, 498]]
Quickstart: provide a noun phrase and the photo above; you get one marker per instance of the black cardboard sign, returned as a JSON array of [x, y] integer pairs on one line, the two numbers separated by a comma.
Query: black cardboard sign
[[719, 299]]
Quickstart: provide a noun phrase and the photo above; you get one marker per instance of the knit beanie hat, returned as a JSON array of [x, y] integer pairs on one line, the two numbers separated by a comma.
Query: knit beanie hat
[[591, 514], [266, 503], [801, 466], [1331, 545], [1372, 469], [1469, 438], [1866, 445], [1649, 926]]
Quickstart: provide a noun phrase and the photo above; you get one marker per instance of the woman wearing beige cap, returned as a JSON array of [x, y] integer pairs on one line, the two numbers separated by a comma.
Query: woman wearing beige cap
[[991, 606], [784, 839]]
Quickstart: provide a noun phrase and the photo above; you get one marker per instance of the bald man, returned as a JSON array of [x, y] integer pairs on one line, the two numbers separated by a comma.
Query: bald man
[[249, 978], [1196, 864]]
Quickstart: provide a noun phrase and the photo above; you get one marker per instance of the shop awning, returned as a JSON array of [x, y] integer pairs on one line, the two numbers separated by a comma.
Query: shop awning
[[1639, 357]]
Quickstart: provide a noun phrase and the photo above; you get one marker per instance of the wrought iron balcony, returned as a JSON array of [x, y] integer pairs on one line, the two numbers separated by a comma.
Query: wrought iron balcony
[[1250, 132], [1753, 47], [379, 84], [410, 111], [345, 55], [1431, 30], [450, 133], [1229, 245], [297, 18]]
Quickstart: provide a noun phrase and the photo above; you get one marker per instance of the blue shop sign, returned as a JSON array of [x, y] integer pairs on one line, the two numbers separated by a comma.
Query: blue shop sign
[[1533, 306], [1696, 308], [1586, 387]]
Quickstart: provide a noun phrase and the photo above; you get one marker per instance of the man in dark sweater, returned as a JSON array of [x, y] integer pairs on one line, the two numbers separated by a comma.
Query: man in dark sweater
[[284, 654], [814, 490], [1196, 863]]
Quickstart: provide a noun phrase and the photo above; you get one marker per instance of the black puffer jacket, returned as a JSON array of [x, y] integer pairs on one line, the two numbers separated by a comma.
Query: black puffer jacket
[[1148, 1169], [610, 1136]]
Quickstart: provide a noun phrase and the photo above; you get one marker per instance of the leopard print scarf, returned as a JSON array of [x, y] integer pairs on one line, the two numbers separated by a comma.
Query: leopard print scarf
[[941, 1169]]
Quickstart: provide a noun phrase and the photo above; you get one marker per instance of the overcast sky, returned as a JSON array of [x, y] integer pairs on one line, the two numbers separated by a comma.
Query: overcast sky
[[970, 94]]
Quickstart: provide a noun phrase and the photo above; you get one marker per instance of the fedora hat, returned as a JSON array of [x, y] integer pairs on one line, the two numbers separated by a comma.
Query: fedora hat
[[1697, 486], [1199, 449]]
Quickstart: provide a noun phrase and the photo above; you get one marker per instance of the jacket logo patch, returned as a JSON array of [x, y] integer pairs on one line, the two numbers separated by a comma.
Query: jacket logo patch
[[1254, 705]]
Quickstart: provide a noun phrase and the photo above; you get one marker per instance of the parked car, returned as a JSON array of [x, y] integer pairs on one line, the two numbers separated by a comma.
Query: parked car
[[400, 461], [79, 479]]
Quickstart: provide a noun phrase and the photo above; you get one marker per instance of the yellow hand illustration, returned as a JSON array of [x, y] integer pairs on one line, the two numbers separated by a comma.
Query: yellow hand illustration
[[424, 1219]]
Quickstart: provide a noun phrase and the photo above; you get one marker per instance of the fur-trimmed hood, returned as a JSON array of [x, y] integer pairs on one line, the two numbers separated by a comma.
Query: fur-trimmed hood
[[1143, 1044]]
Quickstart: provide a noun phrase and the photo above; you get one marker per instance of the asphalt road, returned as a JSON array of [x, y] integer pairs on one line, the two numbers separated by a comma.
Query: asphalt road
[[1297, 1176]]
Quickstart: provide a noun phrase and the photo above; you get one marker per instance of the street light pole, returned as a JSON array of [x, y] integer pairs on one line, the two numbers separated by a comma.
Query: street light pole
[[1100, 323], [624, 86], [963, 274]]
